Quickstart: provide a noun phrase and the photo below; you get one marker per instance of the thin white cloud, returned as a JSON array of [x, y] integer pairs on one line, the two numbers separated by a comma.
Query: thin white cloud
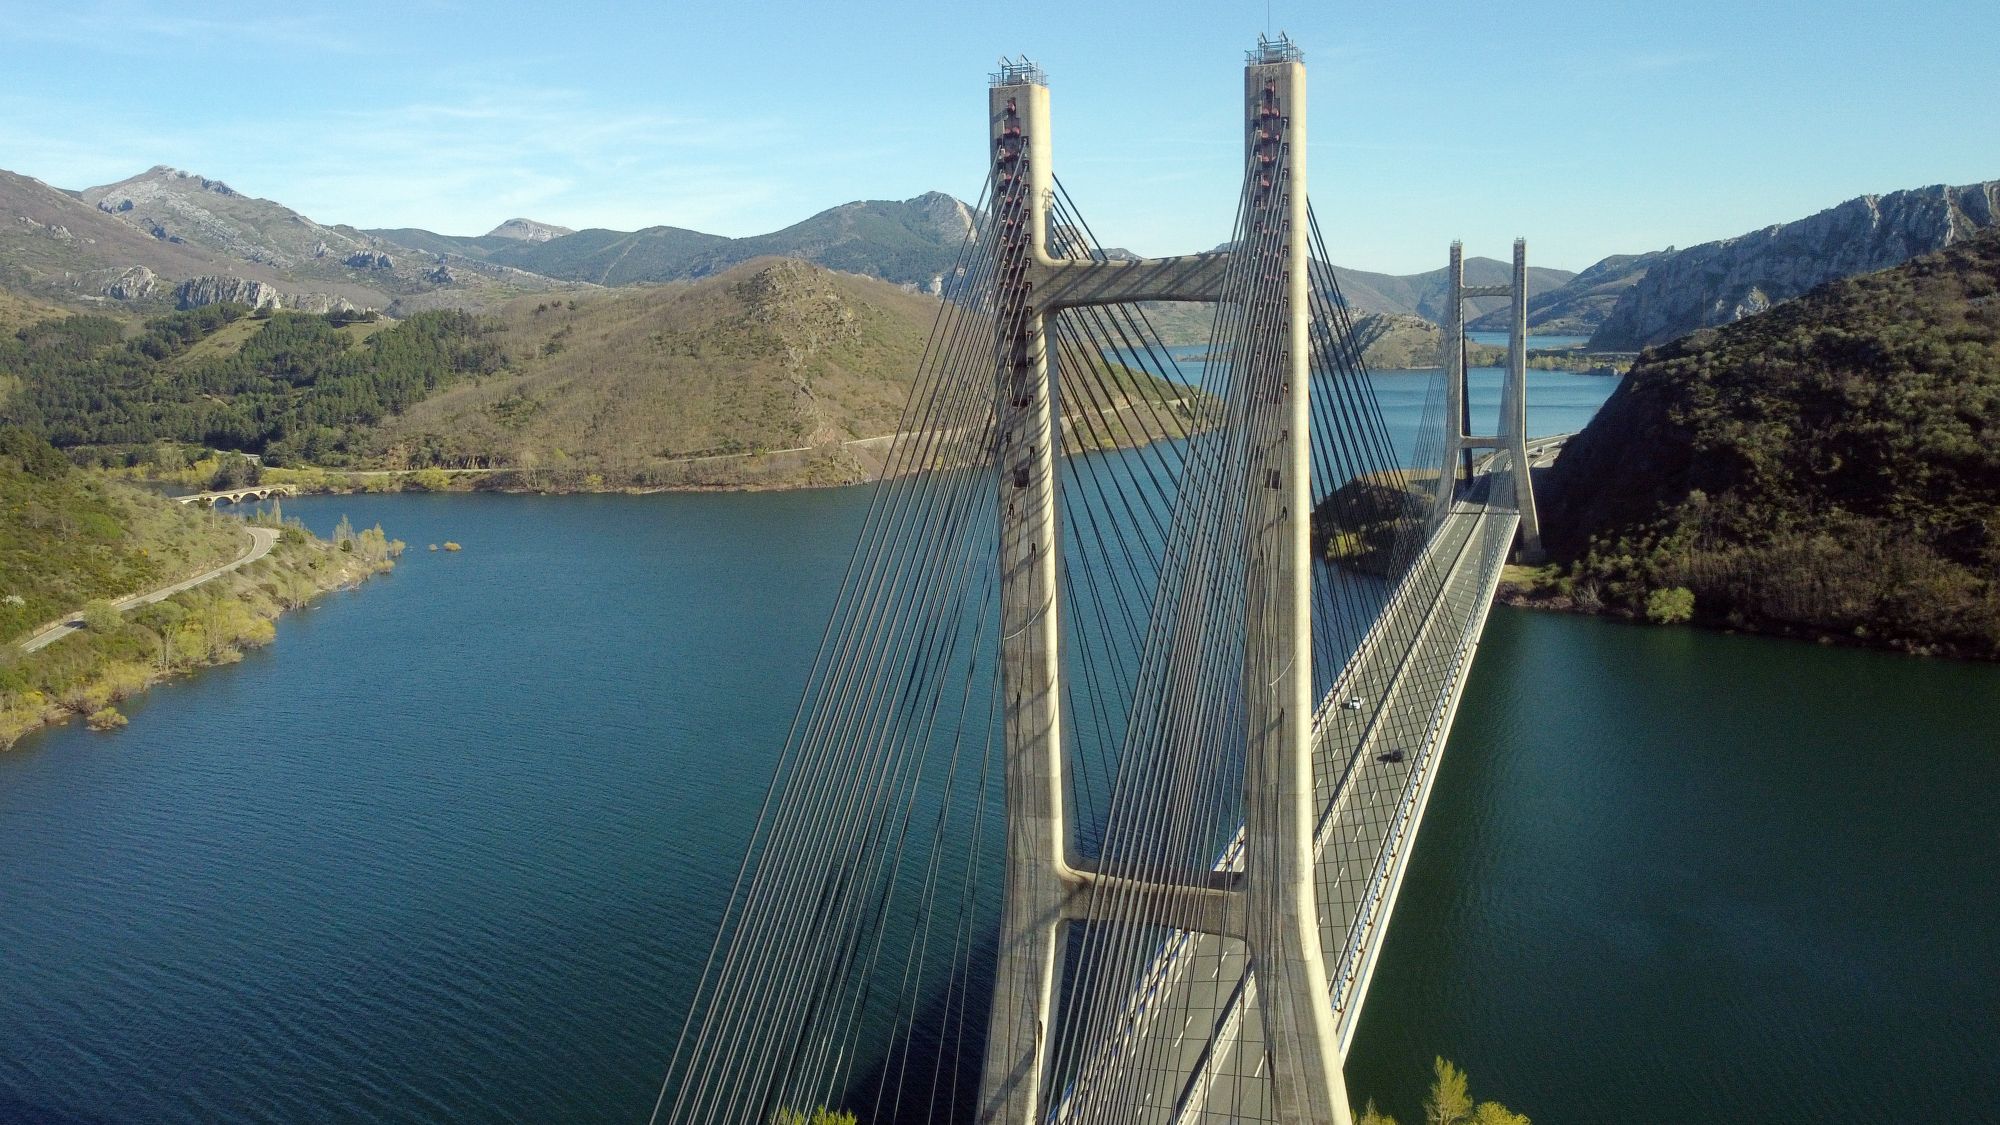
[[461, 164], [131, 27]]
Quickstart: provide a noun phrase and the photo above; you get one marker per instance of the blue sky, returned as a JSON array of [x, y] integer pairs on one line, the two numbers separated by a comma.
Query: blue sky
[[1589, 128]]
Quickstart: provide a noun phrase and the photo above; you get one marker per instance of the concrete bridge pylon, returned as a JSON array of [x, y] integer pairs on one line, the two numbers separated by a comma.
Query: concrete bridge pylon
[[1512, 439], [1272, 907]]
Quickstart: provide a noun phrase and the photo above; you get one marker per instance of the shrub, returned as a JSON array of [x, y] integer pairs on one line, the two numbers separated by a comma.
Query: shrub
[[105, 718], [1671, 606], [100, 616], [819, 1116]]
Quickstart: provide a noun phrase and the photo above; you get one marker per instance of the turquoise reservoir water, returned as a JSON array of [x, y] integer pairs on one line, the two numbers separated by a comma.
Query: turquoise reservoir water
[[453, 849]]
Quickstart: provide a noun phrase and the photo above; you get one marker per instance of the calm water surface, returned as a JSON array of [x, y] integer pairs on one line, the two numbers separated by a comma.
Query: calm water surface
[[453, 848]]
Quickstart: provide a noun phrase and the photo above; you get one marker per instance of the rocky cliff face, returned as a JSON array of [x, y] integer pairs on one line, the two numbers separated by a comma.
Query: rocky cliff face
[[310, 264], [947, 213], [209, 290], [221, 289], [1718, 283], [172, 204]]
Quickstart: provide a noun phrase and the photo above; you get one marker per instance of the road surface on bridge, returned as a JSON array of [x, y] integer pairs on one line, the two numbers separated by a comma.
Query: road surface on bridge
[[262, 539], [1370, 806]]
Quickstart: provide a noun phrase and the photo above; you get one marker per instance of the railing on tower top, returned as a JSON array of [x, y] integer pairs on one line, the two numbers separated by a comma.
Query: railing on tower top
[[1018, 72], [1278, 50]]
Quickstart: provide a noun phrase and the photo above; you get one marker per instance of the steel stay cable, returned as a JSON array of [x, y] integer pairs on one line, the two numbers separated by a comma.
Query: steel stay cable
[[1222, 448], [723, 930], [858, 816], [907, 486], [923, 738], [1099, 375], [1111, 850], [865, 547], [1087, 413]]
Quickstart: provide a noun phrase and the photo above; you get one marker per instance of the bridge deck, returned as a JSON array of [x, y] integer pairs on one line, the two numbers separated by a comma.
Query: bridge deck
[[1193, 1046]]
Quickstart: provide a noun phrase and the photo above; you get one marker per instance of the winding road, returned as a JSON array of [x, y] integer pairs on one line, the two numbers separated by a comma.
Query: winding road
[[262, 539]]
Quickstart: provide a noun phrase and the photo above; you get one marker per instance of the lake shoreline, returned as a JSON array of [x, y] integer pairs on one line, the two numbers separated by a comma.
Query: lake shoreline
[[1530, 588], [86, 674]]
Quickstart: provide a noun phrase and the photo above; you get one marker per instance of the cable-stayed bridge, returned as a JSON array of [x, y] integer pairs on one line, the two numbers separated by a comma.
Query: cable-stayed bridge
[[1102, 786]]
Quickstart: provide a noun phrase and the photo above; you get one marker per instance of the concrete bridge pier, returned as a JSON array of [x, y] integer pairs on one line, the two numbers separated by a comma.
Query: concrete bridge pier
[[1274, 911]]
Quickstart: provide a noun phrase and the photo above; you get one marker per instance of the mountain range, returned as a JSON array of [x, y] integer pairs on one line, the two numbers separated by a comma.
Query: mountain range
[[168, 239], [906, 242]]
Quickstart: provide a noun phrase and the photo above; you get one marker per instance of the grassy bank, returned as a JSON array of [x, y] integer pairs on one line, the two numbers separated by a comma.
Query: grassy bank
[[88, 673]]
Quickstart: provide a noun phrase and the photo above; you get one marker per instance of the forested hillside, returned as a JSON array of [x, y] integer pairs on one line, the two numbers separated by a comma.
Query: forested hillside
[[294, 386], [1829, 467]]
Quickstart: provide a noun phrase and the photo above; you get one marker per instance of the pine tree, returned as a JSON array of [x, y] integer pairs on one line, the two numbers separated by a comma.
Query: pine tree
[[1448, 1104]]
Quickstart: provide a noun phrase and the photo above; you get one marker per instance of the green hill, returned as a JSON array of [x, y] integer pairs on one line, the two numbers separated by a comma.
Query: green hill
[[67, 536], [74, 540], [1830, 467], [636, 385], [774, 373]]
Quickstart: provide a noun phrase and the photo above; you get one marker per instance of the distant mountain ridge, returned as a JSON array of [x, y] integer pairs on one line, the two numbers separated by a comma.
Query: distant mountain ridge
[[1423, 294], [1719, 282], [167, 238], [1579, 305], [905, 242]]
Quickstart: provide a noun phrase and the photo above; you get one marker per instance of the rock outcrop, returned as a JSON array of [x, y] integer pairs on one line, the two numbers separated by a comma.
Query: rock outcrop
[[318, 303], [211, 290], [948, 214], [369, 260], [135, 284], [1718, 283]]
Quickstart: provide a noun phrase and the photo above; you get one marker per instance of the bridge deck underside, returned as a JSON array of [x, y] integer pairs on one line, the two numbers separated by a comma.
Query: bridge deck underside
[[1192, 1050]]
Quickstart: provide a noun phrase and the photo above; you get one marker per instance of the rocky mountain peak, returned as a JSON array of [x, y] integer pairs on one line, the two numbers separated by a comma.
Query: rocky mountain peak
[[528, 230], [162, 172], [946, 212]]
